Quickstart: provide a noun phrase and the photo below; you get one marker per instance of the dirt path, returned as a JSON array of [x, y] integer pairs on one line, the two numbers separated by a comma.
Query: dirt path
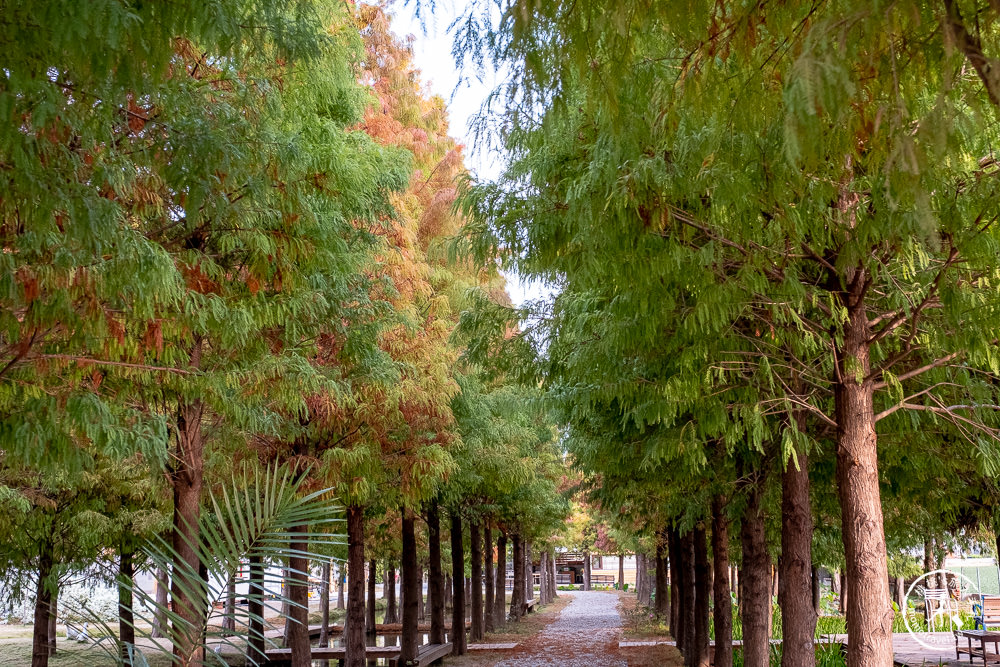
[[585, 634]]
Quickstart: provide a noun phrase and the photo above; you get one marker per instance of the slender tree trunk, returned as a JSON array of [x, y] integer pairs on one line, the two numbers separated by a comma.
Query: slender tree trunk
[[815, 590], [324, 606], [929, 562], [499, 606], [517, 594], [723, 607], [586, 570], [411, 593], [354, 632], [489, 614], [188, 594], [795, 565], [662, 598], [901, 594], [689, 592], [756, 583], [621, 571], [43, 600], [160, 612], [458, 596], [53, 621], [255, 610], [448, 606], [842, 578], [435, 584], [869, 613], [298, 595], [476, 556], [676, 578], [702, 591], [340, 586], [126, 617], [423, 612], [552, 575], [389, 593], [229, 610], [370, 609]]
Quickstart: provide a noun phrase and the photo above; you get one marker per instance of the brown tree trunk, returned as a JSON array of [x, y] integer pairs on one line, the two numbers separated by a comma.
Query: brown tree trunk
[[901, 594], [676, 577], [723, 608], [53, 621], [621, 571], [702, 591], [499, 606], [411, 593], [340, 586], [43, 600], [458, 638], [255, 610], [324, 606], [931, 579], [689, 592], [842, 582], [552, 575], [126, 617], [476, 580], [423, 612], [517, 594], [354, 632], [529, 574], [229, 610], [815, 589], [187, 592], [489, 615], [662, 598], [756, 582], [435, 577], [160, 611], [869, 612], [795, 591], [371, 608], [586, 570], [298, 596], [389, 593]]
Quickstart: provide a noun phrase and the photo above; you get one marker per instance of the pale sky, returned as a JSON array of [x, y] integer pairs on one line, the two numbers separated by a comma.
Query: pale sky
[[432, 55]]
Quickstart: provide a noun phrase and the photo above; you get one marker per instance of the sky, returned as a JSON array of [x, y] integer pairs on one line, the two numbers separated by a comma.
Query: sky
[[432, 56]]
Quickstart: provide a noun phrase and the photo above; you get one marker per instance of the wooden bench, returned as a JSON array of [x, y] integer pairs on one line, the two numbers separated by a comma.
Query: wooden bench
[[989, 612], [602, 580], [280, 657], [529, 605], [428, 654]]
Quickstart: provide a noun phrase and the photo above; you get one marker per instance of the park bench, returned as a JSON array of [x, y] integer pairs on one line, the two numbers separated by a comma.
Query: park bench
[[281, 657], [530, 605], [427, 654], [602, 580], [987, 612]]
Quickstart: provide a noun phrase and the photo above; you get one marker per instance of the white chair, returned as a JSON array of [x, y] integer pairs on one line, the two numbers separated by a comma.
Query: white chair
[[937, 601]]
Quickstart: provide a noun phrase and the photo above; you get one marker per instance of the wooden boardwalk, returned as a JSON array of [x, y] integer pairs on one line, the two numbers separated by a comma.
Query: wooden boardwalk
[[937, 648]]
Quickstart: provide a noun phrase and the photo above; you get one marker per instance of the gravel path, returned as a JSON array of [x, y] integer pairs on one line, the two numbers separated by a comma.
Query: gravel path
[[585, 634]]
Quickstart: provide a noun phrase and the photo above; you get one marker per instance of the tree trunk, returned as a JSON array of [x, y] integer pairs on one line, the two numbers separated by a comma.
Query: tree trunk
[[489, 615], [458, 596], [795, 565], [723, 608], [931, 579], [423, 613], [702, 586], [389, 593], [324, 606], [435, 577], [298, 596], [43, 601], [529, 575], [229, 610], [160, 611], [756, 582], [517, 594], [340, 586], [411, 593], [476, 580], [255, 610], [188, 592], [53, 621], [689, 592], [552, 574], [901, 594], [815, 590], [842, 579], [621, 571], [354, 632], [869, 613], [676, 577], [586, 570], [499, 606], [126, 617], [662, 598], [447, 593], [370, 609]]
